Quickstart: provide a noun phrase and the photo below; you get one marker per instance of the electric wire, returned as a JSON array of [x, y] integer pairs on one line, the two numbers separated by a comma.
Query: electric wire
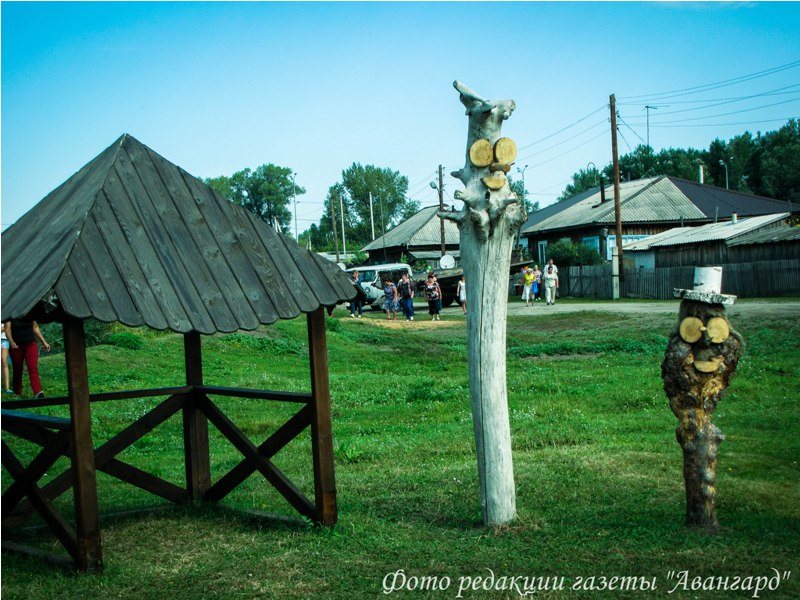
[[735, 112], [631, 129], [564, 141], [775, 92], [555, 133], [716, 85]]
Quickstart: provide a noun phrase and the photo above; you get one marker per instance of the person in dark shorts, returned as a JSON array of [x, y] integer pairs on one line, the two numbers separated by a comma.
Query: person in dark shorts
[[433, 294], [22, 337]]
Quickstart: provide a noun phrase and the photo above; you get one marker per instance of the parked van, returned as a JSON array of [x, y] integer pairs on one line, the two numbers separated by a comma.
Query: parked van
[[373, 277]]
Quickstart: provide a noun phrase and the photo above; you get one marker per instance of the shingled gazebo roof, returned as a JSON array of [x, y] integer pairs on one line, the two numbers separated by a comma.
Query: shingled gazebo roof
[[133, 238]]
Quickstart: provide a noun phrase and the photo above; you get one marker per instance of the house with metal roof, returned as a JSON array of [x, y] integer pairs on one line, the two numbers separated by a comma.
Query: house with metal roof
[[418, 238], [704, 245], [648, 206]]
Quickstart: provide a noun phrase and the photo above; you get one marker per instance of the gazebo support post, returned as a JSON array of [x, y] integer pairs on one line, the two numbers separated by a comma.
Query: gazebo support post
[[87, 517], [321, 427], [195, 424]]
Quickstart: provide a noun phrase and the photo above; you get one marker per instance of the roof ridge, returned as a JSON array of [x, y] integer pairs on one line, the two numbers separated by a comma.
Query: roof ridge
[[90, 205], [730, 191]]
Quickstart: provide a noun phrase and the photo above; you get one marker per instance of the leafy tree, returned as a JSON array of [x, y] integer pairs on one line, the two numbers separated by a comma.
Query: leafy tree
[[584, 179], [265, 191], [766, 165], [779, 168], [388, 189], [517, 187]]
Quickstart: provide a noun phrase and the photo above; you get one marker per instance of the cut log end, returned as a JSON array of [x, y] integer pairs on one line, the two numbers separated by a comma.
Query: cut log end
[[505, 150], [480, 153]]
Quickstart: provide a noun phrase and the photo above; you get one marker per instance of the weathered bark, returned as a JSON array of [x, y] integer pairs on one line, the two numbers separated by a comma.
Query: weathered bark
[[696, 374], [487, 223]]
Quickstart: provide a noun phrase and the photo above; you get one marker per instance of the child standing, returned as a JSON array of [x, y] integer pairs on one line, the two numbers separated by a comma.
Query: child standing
[[390, 303]]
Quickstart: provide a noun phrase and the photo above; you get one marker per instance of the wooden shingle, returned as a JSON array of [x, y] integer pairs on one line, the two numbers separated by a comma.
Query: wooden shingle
[[133, 238]]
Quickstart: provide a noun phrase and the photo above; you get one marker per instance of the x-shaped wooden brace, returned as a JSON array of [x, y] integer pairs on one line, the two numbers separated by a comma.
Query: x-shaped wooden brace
[[105, 461], [25, 484], [257, 458]]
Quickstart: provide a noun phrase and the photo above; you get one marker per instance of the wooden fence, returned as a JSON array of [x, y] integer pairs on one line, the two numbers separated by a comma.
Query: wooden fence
[[762, 279]]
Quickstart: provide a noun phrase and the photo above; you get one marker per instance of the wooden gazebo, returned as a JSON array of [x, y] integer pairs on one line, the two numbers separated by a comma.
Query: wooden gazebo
[[135, 239]]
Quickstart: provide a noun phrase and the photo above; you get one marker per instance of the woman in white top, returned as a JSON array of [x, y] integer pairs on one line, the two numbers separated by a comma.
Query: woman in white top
[[550, 279], [461, 292]]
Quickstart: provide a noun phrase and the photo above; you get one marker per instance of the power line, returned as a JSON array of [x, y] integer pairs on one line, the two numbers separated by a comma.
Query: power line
[[769, 93], [547, 137], [632, 131], [564, 141], [684, 110], [727, 124], [624, 140], [735, 112], [719, 84], [571, 149]]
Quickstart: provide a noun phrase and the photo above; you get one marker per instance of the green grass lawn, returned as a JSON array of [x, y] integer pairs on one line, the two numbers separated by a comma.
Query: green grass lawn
[[598, 471]]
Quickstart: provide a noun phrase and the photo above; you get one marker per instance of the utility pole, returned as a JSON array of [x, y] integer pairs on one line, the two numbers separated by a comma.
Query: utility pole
[[441, 207], [344, 239], [371, 217], [647, 108], [294, 197], [332, 205], [383, 238], [615, 158]]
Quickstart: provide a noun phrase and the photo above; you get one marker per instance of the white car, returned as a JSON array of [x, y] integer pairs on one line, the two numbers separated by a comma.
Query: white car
[[373, 277]]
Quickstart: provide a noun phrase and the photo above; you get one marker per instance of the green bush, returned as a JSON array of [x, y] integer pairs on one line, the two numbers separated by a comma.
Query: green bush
[[124, 339], [566, 253]]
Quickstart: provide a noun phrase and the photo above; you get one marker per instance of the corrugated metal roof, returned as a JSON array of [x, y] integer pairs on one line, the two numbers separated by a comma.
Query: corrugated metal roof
[[655, 199], [133, 238], [657, 202], [644, 244], [722, 203], [773, 235], [422, 229], [718, 231]]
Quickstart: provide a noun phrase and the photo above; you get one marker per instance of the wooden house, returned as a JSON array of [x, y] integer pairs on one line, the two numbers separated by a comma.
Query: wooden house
[[648, 206], [418, 238]]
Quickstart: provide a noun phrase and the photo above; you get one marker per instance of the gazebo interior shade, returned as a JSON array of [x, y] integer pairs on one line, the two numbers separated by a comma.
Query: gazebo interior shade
[[133, 238]]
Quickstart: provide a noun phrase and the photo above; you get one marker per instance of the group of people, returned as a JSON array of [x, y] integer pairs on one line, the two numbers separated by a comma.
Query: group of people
[[20, 342], [400, 297], [533, 280]]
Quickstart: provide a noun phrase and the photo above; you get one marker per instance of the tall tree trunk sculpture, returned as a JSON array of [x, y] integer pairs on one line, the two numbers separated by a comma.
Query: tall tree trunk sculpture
[[488, 221]]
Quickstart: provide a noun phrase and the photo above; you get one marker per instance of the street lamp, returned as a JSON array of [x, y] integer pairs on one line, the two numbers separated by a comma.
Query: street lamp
[[722, 163], [594, 168], [524, 193]]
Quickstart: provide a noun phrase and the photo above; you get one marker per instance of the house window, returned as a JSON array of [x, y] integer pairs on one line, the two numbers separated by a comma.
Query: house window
[[592, 242], [612, 242], [542, 247]]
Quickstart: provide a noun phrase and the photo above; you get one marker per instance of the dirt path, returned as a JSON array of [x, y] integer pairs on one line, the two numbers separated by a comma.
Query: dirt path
[[743, 308]]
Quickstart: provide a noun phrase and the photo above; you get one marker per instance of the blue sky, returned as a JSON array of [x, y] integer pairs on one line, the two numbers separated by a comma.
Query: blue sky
[[216, 87]]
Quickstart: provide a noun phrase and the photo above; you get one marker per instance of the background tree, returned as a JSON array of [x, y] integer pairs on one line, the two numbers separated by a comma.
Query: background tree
[[517, 187], [265, 191], [765, 165], [388, 190]]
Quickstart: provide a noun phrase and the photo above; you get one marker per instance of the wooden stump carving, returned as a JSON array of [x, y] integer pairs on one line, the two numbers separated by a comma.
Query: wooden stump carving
[[699, 363]]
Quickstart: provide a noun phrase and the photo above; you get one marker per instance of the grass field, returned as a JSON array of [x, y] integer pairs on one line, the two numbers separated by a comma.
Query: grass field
[[598, 471]]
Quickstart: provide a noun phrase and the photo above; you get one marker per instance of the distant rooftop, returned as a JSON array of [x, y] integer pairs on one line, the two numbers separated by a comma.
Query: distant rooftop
[[662, 199]]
